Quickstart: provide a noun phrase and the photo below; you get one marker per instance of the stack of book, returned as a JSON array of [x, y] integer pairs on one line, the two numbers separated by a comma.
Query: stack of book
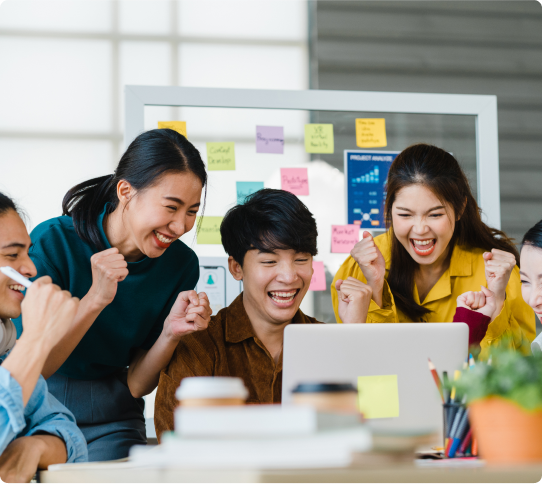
[[259, 437]]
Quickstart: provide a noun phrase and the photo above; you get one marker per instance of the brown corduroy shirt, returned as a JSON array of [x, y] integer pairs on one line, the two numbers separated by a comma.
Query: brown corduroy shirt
[[228, 347]]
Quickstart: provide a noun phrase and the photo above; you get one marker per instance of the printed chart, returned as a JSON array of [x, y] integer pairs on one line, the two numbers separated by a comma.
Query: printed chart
[[366, 175]]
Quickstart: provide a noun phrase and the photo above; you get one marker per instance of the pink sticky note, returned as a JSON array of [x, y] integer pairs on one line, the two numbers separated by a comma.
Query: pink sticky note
[[318, 281], [295, 180], [343, 238], [270, 139]]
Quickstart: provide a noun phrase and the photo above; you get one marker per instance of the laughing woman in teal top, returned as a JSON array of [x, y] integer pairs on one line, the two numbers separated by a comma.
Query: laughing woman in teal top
[[116, 248]]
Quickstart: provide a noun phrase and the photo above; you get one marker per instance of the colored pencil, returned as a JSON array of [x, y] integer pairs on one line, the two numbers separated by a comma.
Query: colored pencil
[[466, 442], [474, 450], [457, 375], [471, 362], [433, 371], [460, 431], [446, 384]]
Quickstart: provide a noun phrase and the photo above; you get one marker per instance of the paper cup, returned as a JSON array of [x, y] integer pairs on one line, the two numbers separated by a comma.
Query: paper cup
[[207, 391]]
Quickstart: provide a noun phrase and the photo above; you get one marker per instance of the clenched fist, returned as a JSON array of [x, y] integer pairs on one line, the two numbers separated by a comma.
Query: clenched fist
[[47, 312], [354, 300], [372, 264], [108, 269], [482, 301], [191, 312], [499, 265]]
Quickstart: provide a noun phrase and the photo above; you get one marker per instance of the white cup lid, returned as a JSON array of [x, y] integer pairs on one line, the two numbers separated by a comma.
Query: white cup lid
[[211, 387]]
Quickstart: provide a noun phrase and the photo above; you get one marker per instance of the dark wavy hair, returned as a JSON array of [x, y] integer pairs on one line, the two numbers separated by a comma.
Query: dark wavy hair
[[533, 236], [149, 157], [269, 220], [439, 171]]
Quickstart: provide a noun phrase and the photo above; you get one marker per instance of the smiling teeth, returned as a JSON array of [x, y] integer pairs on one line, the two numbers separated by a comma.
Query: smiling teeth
[[163, 239], [422, 242], [289, 295], [17, 287]]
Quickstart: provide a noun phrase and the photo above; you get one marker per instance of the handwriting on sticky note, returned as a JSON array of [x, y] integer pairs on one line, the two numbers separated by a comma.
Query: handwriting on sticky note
[[378, 396], [179, 126], [270, 139], [221, 156], [343, 238], [371, 132], [318, 281], [209, 231], [319, 138], [244, 189], [295, 180]]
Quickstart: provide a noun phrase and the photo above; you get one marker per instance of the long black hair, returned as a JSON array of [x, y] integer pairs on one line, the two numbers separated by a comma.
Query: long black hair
[[439, 171], [6, 204], [149, 157]]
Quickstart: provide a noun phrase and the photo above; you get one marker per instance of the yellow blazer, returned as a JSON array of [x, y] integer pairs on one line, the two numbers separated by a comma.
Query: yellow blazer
[[466, 273]]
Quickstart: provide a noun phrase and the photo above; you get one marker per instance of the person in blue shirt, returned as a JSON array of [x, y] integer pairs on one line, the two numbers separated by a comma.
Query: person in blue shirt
[[35, 429], [116, 248]]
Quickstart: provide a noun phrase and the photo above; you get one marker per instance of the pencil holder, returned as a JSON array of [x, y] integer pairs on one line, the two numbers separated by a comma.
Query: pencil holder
[[457, 434]]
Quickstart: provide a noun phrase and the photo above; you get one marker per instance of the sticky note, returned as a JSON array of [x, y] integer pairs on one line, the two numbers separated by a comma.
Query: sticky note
[[343, 238], [318, 281], [179, 126], [209, 231], [295, 180], [221, 156], [244, 189], [371, 132], [270, 139], [319, 138], [378, 396]]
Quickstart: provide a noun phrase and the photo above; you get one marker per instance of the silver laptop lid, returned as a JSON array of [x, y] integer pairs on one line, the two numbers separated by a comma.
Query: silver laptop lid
[[343, 353]]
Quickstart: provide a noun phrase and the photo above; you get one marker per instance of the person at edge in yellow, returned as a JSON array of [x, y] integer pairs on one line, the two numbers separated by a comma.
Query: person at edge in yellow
[[436, 249]]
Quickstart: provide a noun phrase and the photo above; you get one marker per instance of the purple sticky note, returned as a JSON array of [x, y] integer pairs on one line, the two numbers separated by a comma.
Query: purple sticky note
[[270, 139], [343, 238], [318, 281], [295, 180]]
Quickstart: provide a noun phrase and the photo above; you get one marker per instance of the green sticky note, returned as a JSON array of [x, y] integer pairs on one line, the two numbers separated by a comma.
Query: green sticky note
[[209, 231], [378, 396], [221, 156], [319, 138]]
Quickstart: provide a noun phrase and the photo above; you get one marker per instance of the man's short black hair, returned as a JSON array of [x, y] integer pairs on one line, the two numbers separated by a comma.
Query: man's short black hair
[[269, 220]]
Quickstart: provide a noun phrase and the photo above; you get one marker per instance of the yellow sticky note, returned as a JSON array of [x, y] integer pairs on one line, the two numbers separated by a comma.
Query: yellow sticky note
[[378, 396], [221, 156], [371, 132], [319, 138], [209, 231], [179, 126]]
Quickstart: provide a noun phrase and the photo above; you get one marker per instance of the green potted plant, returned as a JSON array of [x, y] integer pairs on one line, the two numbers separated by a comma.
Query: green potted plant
[[504, 399]]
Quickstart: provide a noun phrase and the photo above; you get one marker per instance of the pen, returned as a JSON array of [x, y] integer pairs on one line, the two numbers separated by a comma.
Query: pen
[[466, 442], [462, 422], [433, 371], [13, 274]]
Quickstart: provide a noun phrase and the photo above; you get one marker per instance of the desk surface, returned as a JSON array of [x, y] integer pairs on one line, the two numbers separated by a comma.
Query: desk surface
[[394, 473]]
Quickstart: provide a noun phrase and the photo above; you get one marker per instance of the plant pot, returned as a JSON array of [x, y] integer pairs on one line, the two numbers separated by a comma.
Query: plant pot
[[506, 433]]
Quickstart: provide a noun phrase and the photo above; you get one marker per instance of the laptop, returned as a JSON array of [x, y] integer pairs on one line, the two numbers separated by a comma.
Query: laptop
[[396, 353]]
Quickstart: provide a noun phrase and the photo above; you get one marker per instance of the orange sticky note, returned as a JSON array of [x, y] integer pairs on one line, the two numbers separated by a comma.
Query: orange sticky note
[[179, 126], [371, 132], [318, 281], [343, 238]]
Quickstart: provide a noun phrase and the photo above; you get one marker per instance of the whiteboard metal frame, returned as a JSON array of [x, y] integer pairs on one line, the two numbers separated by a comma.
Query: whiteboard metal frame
[[483, 107]]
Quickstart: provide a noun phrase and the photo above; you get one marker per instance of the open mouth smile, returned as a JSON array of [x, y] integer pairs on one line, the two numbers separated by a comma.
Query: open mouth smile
[[17, 289], [283, 298], [423, 246], [162, 240]]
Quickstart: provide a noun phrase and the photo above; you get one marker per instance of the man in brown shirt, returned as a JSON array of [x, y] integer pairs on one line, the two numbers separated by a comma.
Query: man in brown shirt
[[271, 240]]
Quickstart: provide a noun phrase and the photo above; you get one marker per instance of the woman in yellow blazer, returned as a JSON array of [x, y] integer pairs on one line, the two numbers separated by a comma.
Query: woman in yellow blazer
[[436, 249]]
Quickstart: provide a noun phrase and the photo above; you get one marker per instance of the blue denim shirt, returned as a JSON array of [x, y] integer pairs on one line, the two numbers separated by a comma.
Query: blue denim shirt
[[43, 414]]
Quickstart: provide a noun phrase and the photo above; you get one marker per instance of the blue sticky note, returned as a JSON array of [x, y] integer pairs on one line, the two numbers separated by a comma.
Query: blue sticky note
[[244, 189]]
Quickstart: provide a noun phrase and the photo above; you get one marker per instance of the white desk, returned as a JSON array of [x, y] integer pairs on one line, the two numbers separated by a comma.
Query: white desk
[[368, 473]]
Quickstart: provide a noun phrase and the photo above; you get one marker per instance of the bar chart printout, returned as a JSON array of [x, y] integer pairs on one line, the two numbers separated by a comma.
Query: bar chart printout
[[366, 174]]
